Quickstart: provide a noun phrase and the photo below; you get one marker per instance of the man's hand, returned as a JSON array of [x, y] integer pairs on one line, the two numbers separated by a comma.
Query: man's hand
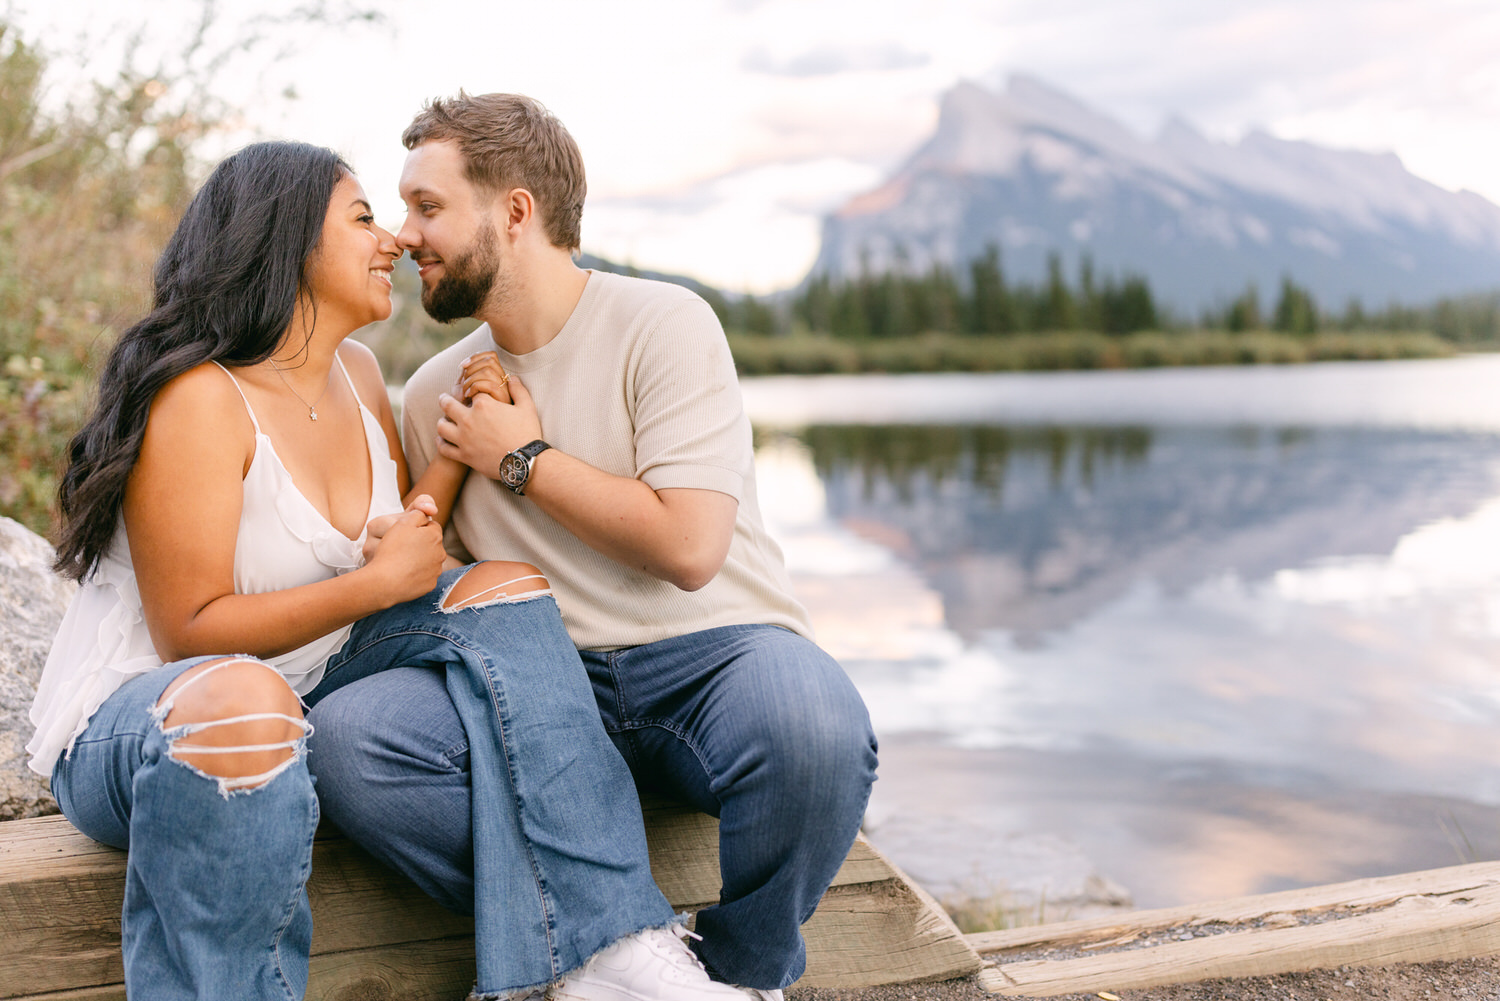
[[480, 435]]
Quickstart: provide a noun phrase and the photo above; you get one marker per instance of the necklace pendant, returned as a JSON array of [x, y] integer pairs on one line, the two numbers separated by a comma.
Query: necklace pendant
[[312, 413]]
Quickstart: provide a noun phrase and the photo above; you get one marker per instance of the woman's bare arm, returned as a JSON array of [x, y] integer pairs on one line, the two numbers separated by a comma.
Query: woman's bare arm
[[444, 477], [182, 512]]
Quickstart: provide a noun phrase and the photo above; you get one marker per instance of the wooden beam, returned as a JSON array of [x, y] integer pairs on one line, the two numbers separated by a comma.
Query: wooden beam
[[61, 895], [888, 931], [684, 849], [874, 926], [1451, 913], [430, 970], [1373, 891], [376, 935]]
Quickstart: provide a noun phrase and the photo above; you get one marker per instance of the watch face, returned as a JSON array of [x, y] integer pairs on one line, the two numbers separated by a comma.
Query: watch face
[[513, 471]]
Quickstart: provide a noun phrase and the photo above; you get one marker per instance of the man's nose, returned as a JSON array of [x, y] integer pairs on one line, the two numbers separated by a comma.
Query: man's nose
[[408, 238]]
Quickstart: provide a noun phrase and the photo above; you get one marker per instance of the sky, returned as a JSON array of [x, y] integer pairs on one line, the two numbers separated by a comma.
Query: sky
[[716, 133]]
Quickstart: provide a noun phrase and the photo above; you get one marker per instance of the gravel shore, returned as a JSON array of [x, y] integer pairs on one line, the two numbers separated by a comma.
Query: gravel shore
[[1462, 980]]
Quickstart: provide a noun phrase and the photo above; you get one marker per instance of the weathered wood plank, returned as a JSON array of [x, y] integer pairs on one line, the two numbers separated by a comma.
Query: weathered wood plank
[[1374, 891], [109, 992], [1451, 914], [61, 893], [888, 931], [60, 898], [433, 970], [874, 926], [358, 903], [683, 845]]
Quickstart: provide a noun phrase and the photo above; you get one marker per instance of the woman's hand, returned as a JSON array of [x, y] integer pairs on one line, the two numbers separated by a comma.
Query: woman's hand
[[408, 554], [376, 528], [483, 373]]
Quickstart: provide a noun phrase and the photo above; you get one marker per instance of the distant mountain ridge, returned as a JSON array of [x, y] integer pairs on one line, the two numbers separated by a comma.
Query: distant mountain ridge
[[596, 263], [1035, 171]]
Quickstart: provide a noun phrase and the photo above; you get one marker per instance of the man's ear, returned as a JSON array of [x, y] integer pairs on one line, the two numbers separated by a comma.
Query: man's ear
[[519, 208]]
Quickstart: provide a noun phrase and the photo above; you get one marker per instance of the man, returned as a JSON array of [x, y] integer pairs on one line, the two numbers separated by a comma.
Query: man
[[623, 468]]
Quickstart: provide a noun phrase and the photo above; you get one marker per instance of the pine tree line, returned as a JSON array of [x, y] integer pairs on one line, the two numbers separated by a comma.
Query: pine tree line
[[899, 303]]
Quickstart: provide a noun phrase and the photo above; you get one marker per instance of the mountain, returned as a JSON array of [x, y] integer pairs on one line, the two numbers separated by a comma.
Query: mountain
[[1035, 171], [714, 296]]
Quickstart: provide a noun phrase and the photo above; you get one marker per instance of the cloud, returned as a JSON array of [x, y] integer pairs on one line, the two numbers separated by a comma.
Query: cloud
[[748, 230], [828, 60], [808, 81]]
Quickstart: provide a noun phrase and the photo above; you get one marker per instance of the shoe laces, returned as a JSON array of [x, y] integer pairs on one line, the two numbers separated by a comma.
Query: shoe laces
[[678, 953]]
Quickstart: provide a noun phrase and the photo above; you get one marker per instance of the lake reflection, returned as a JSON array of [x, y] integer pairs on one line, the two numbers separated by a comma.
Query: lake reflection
[[1197, 657]]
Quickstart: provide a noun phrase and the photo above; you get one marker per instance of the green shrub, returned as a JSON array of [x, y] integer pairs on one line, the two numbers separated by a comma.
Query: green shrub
[[89, 194], [89, 197]]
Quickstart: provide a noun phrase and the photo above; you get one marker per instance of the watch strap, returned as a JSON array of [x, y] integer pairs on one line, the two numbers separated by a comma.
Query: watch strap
[[524, 457], [532, 449]]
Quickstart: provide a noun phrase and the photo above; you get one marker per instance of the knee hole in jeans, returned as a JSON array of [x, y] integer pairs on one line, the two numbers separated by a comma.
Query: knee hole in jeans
[[493, 582], [232, 719]]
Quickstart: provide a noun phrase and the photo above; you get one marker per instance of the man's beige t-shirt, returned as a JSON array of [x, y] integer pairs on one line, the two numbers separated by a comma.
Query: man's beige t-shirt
[[640, 383]]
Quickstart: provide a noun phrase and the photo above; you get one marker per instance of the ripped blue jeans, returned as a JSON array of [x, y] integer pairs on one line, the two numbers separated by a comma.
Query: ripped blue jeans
[[559, 847], [215, 899], [215, 905]]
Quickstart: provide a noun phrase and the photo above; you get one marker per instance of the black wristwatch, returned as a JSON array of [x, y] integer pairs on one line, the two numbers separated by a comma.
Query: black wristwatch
[[515, 468]]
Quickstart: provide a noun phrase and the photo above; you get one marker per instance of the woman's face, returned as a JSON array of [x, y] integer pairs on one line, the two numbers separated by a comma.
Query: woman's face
[[349, 275]]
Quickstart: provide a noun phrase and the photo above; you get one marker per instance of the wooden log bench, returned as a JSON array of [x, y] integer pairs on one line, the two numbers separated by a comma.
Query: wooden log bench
[[1415, 917], [377, 937]]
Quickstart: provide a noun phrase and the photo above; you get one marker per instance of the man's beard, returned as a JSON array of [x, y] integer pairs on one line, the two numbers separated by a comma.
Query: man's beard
[[467, 280]]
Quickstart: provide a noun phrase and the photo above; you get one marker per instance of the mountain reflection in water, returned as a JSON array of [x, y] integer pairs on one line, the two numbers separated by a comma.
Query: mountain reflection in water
[[1032, 529], [1199, 659]]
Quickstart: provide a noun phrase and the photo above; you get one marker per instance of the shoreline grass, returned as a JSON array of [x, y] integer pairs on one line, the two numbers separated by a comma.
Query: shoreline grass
[[811, 354]]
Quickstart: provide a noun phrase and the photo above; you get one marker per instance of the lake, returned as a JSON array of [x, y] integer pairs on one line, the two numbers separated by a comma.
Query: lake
[[1152, 637]]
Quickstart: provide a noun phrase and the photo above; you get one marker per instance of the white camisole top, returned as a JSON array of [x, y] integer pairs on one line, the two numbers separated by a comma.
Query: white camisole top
[[283, 542]]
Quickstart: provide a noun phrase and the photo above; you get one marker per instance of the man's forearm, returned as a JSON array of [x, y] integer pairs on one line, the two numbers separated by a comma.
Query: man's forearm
[[677, 535]]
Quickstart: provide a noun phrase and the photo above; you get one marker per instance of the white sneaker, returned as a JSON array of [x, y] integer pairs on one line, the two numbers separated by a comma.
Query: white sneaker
[[652, 965], [756, 994]]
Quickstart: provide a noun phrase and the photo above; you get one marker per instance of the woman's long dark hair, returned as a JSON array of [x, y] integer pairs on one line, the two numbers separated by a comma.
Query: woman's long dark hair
[[225, 289]]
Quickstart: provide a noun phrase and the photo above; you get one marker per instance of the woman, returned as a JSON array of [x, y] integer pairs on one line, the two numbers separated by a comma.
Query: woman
[[216, 509]]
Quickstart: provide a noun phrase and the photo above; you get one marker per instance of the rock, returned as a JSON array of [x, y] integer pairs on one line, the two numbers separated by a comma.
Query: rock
[[32, 602]]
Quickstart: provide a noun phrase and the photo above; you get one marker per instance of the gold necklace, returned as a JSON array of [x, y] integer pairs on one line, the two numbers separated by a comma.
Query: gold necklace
[[312, 408]]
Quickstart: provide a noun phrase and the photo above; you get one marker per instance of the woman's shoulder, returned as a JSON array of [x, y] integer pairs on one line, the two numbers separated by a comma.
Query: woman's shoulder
[[363, 369], [204, 397], [362, 365]]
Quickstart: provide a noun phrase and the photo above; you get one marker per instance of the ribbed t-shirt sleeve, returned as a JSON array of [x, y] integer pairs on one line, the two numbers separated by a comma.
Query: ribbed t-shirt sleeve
[[690, 424]]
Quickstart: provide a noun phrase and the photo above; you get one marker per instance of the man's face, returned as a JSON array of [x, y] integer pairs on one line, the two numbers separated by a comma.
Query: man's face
[[448, 232]]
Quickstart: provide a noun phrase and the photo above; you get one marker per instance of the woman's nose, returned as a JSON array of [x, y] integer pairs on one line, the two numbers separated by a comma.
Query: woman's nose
[[388, 243]]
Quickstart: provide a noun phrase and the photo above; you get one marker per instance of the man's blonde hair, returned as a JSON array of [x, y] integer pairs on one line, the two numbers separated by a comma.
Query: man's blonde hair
[[511, 141]]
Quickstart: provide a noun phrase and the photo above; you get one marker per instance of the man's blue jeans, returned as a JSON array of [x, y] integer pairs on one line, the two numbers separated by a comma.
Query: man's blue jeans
[[549, 830], [752, 724]]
